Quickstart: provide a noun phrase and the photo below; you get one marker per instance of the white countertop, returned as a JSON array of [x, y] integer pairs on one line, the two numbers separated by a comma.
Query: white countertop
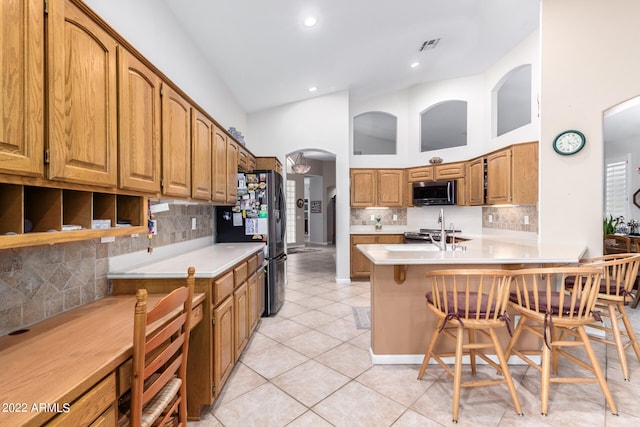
[[481, 249], [209, 261]]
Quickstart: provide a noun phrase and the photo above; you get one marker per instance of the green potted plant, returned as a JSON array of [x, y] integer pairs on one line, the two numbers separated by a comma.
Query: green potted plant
[[610, 224]]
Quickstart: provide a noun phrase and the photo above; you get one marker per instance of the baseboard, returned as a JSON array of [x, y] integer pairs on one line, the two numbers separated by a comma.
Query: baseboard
[[416, 359], [343, 281]]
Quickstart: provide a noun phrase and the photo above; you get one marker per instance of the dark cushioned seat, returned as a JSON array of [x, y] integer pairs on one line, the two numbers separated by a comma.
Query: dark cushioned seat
[[462, 300], [542, 302]]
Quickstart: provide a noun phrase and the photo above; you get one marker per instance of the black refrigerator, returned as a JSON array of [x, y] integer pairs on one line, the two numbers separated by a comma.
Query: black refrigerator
[[259, 215]]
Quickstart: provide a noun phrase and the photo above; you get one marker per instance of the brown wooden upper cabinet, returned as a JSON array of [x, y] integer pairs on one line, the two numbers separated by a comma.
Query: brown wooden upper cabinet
[[475, 181], [176, 144], [232, 172], [21, 94], [81, 91], [201, 155], [511, 176], [377, 187], [436, 172], [139, 144], [219, 175]]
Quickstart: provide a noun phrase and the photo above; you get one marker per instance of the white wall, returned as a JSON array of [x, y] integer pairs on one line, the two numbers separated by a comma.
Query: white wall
[[320, 123], [150, 27], [589, 63]]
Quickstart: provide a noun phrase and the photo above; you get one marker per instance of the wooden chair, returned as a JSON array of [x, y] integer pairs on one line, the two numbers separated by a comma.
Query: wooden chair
[[616, 244], [636, 300], [550, 315], [619, 275], [475, 302], [159, 386]]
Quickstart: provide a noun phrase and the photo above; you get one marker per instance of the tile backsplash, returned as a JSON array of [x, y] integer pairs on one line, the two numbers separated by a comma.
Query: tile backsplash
[[38, 282], [362, 216], [511, 218]]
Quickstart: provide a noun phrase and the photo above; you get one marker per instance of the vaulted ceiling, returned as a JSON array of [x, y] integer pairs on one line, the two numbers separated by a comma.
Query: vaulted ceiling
[[267, 57]]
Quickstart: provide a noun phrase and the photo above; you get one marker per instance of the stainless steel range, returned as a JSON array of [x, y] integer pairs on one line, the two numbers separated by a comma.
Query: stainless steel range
[[422, 236]]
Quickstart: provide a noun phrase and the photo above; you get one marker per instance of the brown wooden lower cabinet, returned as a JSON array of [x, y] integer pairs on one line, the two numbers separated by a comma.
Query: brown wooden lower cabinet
[[360, 264], [233, 306]]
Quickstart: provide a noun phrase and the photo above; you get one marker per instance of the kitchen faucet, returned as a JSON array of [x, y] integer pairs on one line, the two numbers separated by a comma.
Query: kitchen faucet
[[442, 245]]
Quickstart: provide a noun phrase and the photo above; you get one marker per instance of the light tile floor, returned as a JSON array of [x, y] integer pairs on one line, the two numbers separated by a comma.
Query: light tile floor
[[309, 366]]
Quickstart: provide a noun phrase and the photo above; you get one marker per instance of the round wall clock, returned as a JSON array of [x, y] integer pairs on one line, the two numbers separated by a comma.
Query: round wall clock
[[569, 142], [300, 203]]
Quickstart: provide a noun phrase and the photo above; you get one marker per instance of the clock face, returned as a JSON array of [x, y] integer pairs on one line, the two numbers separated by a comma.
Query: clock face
[[569, 142]]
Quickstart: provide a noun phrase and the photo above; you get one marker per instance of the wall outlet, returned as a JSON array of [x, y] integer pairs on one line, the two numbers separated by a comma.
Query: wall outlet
[[395, 217], [490, 218], [193, 223], [373, 217], [526, 220]]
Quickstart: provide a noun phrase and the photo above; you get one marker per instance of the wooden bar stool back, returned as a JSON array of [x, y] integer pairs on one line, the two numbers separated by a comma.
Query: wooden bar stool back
[[619, 274], [471, 303], [159, 383], [551, 315]]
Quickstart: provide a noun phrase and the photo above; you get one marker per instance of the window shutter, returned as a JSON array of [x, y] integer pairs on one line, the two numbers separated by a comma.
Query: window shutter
[[616, 189]]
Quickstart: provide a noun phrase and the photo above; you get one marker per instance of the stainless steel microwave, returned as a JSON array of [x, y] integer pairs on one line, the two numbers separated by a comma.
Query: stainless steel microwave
[[434, 193]]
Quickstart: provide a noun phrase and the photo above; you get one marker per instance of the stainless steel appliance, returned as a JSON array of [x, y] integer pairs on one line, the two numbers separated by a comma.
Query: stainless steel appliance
[[434, 193], [422, 236], [259, 215]]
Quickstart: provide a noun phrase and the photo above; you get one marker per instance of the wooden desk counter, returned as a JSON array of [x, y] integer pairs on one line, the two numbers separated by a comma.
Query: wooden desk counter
[[61, 358]]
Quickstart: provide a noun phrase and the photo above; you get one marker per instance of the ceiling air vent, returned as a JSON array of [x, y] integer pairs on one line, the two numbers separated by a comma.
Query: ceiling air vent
[[429, 44]]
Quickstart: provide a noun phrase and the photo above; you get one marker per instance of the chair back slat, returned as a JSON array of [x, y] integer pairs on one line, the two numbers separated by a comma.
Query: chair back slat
[[540, 290], [470, 293], [160, 357], [619, 273]]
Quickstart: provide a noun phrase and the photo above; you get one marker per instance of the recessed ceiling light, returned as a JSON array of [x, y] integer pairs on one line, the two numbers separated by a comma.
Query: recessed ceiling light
[[310, 21], [414, 64], [313, 89]]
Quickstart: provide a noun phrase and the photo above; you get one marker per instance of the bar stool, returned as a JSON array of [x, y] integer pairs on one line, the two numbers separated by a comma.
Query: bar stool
[[159, 383], [550, 315], [619, 274], [471, 301]]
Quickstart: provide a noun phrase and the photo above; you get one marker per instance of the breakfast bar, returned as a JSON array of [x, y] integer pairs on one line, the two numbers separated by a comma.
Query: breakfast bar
[[400, 323]]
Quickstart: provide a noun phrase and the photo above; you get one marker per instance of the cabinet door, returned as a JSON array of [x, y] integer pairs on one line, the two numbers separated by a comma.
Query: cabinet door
[[360, 264], [475, 182], [389, 239], [139, 124], [422, 173], [22, 94], [81, 77], [449, 171], [201, 155], [241, 318], [176, 144], [363, 187], [232, 172], [223, 345], [390, 187], [524, 174], [254, 305], [499, 177], [251, 163], [219, 174], [243, 159]]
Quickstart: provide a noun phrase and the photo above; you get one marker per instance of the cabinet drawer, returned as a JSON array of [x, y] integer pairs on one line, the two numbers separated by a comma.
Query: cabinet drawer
[[222, 287], [240, 273], [252, 264], [88, 407], [423, 173], [106, 419], [260, 256]]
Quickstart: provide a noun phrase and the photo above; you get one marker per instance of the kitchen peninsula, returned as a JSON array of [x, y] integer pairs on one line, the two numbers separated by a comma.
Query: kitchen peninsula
[[400, 322]]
